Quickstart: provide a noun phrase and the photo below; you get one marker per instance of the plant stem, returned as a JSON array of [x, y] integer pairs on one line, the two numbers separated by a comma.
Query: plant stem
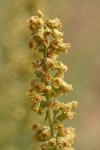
[[47, 98], [50, 120]]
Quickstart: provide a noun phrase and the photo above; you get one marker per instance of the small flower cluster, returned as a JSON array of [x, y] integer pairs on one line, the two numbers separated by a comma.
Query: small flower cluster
[[49, 83]]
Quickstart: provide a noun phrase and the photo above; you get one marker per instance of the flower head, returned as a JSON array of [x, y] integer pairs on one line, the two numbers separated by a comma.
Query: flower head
[[48, 83]]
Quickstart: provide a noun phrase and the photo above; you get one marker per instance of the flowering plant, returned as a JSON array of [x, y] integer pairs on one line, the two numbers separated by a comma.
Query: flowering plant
[[49, 83]]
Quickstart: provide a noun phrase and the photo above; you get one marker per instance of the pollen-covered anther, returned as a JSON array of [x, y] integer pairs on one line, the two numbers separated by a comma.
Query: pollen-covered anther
[[62, 142], [52, 54], [36, 126], [57, 33], [39, 37], [57, 81], [44, 147], [62, 67], [74, 104], [40, 14], [47, 90], [68, 45], [35, 64], [36, 98], [35, 23], [40, 111], [50, 63], [55, 43], [52, 142], [47, 32], [70, 115], [42, 134], [67, 110], [29, 93], [63, 47], [47, 77], [38, 86], [55, 23], [66, 87], [31, 44], [62, 131], [54, 104]]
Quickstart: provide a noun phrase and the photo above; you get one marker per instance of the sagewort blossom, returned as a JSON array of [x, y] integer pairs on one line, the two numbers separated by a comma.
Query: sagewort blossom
[[49, 84]]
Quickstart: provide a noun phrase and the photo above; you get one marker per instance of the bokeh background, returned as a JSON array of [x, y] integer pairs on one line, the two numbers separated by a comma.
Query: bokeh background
[[81, 25]]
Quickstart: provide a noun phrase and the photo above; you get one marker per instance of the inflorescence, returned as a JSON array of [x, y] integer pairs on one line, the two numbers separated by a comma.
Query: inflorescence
[[49, 83]]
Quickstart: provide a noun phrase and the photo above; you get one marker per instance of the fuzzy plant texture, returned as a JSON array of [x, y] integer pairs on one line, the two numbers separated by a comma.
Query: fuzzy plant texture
[[48, 84]]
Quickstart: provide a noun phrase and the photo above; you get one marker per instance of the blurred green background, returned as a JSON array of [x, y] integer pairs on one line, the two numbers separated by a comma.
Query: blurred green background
[[81, 25]]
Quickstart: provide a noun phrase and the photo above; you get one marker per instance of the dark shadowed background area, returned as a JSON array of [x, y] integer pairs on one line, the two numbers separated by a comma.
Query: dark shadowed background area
[[81, 25]]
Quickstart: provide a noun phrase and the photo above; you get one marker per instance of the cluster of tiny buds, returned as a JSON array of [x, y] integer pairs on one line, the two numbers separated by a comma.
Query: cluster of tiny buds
[[49, 83]]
